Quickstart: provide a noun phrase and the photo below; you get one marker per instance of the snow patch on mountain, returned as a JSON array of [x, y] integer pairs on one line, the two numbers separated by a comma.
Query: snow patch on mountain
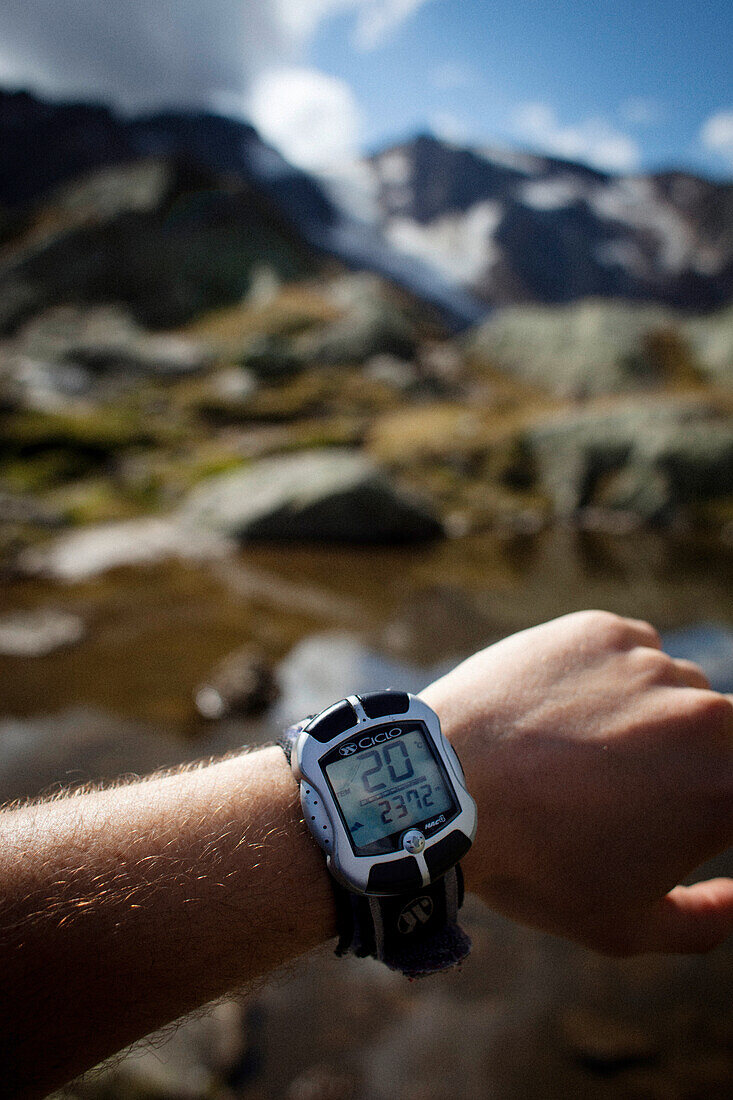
[[394, 168], [358, 243], [551, 194], [460, 245], [624, 253], [634, 202]]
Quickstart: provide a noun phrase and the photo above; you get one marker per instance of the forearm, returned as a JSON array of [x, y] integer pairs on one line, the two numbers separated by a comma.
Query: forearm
[[142, 902]]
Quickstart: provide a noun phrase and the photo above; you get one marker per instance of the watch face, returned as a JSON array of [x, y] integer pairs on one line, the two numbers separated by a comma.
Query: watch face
[[386, 781]]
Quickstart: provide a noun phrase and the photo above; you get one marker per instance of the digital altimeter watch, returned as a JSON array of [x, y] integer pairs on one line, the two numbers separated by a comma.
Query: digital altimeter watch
[[384, 795]]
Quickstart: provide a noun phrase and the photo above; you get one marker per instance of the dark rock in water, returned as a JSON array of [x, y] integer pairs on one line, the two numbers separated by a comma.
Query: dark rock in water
[[242, 685], [708, 645], [37, 633], [648, 458], [329, 495]]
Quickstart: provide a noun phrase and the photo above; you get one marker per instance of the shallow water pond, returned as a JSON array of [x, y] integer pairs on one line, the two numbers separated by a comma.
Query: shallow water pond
[[153, 633], [332, 620], [529, 1015]]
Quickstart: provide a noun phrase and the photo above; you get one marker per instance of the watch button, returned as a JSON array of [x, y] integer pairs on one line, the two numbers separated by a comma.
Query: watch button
[[446, 853], [395, 877], [329, 723], [413, 841], [378, 704]]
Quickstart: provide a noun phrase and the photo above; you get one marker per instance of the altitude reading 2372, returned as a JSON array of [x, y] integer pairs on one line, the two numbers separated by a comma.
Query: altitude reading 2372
[[388, 786]]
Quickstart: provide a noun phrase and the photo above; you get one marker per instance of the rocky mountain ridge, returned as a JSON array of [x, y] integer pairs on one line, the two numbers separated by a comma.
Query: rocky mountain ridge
[[47, 146], [466, 229], [514, 227]]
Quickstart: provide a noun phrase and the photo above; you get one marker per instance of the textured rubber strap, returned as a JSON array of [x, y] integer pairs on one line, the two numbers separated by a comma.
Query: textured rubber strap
[[288, 737], [416, 933]]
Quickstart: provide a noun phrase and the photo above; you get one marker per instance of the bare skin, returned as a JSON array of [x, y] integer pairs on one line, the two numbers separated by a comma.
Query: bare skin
[[603, 773], [603, 770]]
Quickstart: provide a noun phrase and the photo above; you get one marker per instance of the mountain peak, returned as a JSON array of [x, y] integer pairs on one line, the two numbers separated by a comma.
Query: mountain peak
[[515, 226]]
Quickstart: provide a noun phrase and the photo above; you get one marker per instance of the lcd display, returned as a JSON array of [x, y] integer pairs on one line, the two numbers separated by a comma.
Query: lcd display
[[387, 787]]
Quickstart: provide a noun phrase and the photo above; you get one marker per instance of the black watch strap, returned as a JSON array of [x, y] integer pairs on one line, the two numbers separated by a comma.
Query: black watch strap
[[415, 933]]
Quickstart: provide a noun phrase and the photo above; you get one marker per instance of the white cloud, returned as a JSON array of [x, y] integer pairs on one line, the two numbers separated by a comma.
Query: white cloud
[[449, 127], [235, 56], [378, 19], [312, 118], [141, 55], [593, 141], [716, 134]]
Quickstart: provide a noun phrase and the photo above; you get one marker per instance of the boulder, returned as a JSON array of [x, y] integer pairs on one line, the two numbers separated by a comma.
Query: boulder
[[241, 685], [647, 458], [372, 323], [76, 555], [329, 495], [397, 374], [37, 633], [580, 350], [49, 387], [711, 341], [271, 358], [105, 339]]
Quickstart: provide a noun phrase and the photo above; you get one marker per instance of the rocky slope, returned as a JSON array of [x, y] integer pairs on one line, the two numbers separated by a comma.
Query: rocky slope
[[190, 223], [595, 347], [243, 188], [513, 227], [165, 238], [463, 228]]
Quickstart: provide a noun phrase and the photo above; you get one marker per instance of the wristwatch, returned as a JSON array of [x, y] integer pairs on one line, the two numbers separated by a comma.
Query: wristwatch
[[384, 795]]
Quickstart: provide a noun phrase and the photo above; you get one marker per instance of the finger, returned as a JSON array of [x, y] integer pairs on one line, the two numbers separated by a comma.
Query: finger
[[645, 632], [692, 919], [691, 674]]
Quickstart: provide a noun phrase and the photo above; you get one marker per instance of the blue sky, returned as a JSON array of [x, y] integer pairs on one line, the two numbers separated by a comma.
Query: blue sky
[[556, 74], [623, 86]]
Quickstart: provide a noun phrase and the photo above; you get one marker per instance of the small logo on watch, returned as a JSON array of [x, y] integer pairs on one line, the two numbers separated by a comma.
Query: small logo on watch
[[346, 750], [417, 911]]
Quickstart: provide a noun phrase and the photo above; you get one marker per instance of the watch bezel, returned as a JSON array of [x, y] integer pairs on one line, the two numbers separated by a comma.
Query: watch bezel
[[323, 815]]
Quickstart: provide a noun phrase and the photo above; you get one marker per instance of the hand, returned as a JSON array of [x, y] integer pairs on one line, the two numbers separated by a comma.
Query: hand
[[603, 773]]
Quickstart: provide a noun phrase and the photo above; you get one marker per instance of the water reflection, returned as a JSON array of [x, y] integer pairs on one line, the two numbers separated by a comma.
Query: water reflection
[[153, 634]]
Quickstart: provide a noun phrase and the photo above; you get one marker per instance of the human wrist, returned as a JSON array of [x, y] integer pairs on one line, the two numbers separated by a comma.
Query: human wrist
[[475, 749], [318, 917]]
